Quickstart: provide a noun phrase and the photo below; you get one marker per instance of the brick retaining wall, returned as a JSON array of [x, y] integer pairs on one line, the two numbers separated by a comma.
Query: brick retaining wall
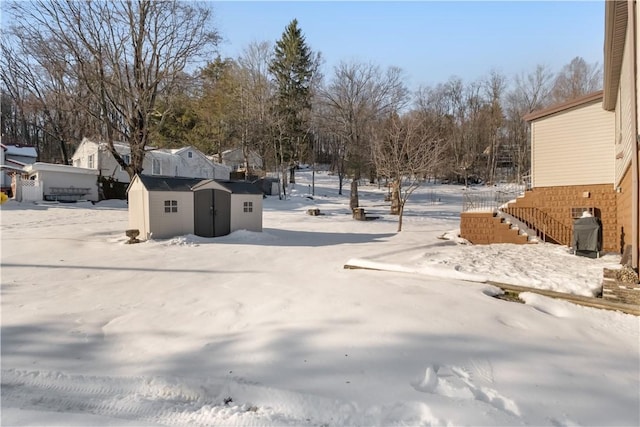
[[614, 290], [483, 228]]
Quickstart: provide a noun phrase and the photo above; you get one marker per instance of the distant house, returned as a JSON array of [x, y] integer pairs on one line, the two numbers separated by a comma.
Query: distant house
[[235, 159], [187, 162], [165, 207], [13, 158], [59, 183]]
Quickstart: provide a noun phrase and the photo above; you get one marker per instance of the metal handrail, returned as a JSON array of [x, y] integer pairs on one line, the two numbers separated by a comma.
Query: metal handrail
[[548, 228]]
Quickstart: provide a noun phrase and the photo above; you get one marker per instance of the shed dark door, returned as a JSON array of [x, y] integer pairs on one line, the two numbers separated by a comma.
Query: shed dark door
[[203, 212], [212, 211], [222, 213]]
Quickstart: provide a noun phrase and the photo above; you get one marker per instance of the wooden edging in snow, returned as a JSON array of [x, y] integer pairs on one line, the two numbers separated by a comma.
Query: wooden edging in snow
[[576, 299]]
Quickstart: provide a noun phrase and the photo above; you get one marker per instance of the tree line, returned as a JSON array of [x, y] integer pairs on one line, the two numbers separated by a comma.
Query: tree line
[[147, 73]]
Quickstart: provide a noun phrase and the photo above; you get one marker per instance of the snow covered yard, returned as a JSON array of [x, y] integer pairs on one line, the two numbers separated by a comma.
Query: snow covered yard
[[269, 329]]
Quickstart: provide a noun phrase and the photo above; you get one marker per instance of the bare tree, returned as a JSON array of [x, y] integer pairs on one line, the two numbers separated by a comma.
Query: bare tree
[[406, 149], [257, 96], [531, 92], [124, 53], [576, 79], [359, 94], [39, 93], [495, 86]]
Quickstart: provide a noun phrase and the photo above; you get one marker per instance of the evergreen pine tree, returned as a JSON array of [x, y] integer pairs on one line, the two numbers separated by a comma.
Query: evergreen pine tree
[[292, 68]]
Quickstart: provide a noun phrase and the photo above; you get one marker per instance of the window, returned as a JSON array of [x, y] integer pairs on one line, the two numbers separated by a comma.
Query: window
[[248, 206], [155, 167], [190, 154], [127, 160], [91, 161], [170, 206]]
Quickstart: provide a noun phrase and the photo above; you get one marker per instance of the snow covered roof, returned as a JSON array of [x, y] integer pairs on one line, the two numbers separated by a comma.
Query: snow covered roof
[[42, 166], [20, 150]]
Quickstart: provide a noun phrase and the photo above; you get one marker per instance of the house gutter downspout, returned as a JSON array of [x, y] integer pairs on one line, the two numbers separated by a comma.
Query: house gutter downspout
[[634, 157]]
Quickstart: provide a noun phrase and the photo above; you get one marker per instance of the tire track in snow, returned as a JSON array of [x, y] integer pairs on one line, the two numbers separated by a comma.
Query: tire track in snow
[[148, 400], [162, 401]]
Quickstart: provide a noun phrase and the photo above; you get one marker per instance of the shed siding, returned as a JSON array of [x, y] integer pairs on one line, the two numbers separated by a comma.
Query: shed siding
[[165, 225], [241, 220], [574, 147], [137, 198]]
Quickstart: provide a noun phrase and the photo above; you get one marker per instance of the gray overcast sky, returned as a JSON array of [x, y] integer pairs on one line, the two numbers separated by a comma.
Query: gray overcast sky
[[429, 40]]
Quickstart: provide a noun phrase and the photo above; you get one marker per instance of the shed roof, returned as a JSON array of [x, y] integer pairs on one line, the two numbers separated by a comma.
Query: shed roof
[[241, 187], [166, 183], [234, 187]]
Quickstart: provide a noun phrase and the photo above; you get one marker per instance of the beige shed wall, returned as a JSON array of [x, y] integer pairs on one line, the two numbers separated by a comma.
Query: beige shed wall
[[138, 208], [573, 147], [241, 220], [165, 225]]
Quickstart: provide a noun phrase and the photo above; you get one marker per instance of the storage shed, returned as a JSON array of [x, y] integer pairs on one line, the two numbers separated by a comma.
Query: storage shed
[[161, 207], [165, 207]]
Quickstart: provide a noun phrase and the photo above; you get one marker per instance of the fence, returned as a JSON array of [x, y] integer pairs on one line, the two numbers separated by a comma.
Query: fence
[[488, 200], [30, 190]]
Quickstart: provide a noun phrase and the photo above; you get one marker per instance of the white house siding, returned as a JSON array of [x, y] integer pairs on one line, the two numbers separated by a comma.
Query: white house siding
[[234, 158], [240, 220], [625, 137], [573, 147], [165, 225], [170, 162], [196, 166], [80, 158]]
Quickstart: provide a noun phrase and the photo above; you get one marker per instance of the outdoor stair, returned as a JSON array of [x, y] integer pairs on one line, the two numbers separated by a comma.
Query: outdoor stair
[[507, 232], [540, 223]]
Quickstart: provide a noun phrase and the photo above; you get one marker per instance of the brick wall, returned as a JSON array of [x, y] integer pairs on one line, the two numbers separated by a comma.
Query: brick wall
[[558, 201], [624, 211], [614, 290], [483, 228]]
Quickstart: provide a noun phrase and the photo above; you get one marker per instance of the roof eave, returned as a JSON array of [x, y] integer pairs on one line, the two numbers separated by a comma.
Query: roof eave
[[565, 106], [615, 31]]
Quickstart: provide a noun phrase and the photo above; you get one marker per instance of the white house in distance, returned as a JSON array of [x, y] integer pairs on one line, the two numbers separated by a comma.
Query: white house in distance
[[234, 158], [183, 162], [165, 207], [12, 159], [61, 182]]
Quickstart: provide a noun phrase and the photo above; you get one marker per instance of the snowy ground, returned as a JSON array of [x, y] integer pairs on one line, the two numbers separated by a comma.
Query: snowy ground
[[269, 329]]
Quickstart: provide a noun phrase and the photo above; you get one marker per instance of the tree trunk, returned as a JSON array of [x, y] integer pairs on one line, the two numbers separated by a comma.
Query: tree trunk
[[353, 199], [395, 197], [284, 183], [400, 214], [292, 175]]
